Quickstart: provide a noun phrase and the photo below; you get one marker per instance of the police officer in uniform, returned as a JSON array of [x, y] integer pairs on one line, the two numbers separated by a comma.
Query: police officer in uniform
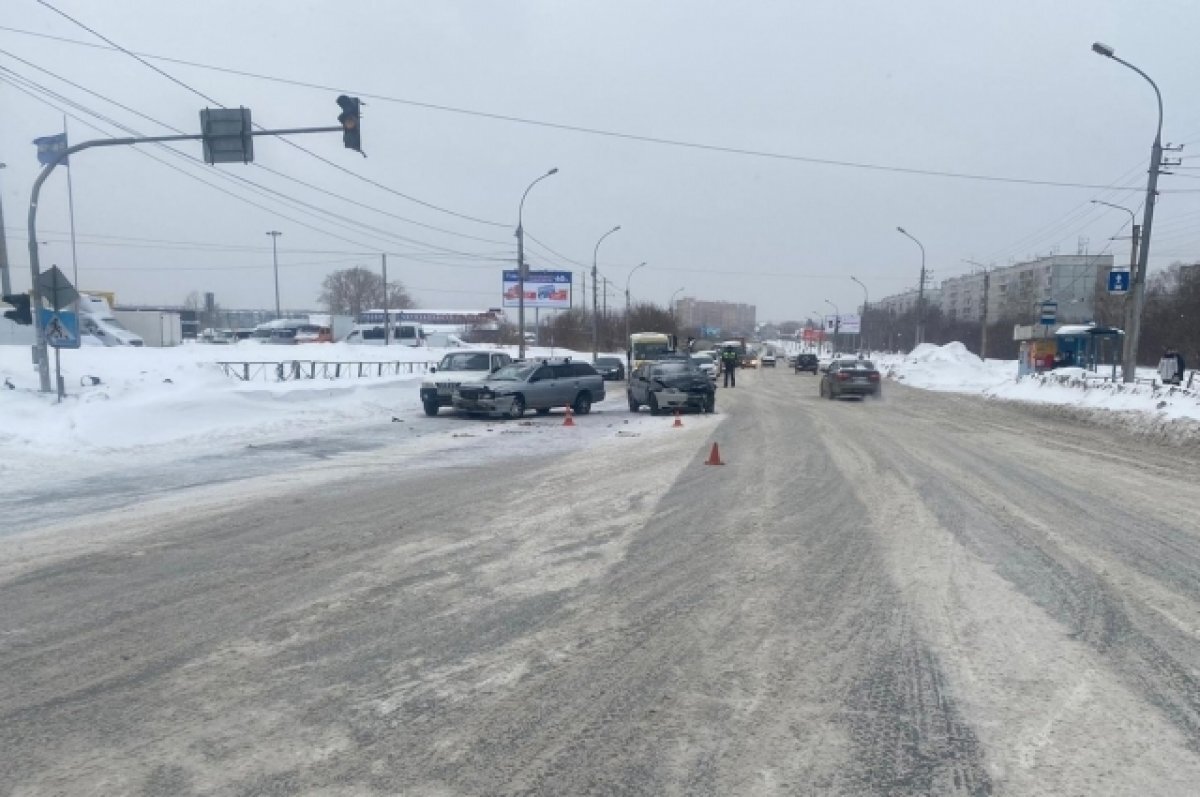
[[729, 364]]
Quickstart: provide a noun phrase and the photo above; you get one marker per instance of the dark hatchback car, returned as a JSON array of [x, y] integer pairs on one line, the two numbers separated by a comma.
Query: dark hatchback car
[[671, 384], [806, 362], [850, 378], [611, 368]]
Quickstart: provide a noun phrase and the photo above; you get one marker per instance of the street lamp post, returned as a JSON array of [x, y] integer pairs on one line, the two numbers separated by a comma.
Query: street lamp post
[[920, 338], [628, 350], [866, 301], [837, 324], [521, 264], [1137, 292], [596, 296], [275, 261], [1128, 348], [671, 307]]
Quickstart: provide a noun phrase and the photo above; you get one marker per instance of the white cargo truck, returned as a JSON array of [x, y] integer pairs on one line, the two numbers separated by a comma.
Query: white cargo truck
[[155, 327]]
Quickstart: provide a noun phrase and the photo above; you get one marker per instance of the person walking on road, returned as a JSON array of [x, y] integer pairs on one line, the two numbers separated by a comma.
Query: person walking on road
[[729, 364]]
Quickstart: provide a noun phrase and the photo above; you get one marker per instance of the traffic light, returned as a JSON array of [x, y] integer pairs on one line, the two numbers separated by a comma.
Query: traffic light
[[350, 121], [20, 314]]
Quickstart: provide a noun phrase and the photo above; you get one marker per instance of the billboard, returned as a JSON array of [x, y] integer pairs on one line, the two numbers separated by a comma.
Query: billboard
[[550, 289], [850, 324]]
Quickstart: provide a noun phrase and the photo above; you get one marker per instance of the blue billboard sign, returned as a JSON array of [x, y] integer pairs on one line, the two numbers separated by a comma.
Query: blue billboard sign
[[551, 289]]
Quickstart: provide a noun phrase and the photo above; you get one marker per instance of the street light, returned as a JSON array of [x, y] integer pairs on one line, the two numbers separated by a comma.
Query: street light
[[275, 260], [1133, 308], [628, 350], [837, 323], [1128, 350], [521, 263], [866, 301], [596, 296], [920, 338]]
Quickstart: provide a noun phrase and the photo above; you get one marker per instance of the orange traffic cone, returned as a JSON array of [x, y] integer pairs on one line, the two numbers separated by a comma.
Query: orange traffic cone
[[678, 421], [714, 457], [569, 420]]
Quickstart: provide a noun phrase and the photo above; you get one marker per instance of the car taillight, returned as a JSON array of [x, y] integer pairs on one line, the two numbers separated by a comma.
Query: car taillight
[[874, 376], [841, 376]]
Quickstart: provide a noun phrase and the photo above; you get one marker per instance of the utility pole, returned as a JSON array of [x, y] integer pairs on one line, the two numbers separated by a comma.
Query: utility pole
[[275, 260], [5, 280], [987, 281], [387, 321]]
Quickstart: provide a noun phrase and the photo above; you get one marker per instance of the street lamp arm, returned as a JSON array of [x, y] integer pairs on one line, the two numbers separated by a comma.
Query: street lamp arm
[[521, 207], [1157, 94], [1132, 216]]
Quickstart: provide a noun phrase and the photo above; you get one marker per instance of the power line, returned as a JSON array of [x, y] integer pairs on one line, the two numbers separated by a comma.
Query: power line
[[151, 119], [312, 210], [694, 145], [290, 143]]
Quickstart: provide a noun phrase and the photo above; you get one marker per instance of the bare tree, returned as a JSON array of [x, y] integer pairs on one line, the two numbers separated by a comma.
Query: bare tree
[[350, 291]]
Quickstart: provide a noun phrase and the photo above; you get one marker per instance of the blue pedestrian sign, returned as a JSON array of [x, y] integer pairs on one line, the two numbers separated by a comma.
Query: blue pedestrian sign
[[61, 328], [1118, 281], [1049, 313]]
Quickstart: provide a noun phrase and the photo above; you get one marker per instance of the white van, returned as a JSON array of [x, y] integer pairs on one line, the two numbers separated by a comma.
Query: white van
[[373, 335], [96, 319]]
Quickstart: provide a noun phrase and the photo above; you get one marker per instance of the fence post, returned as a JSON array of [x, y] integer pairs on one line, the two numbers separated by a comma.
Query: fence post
[[245, 372]]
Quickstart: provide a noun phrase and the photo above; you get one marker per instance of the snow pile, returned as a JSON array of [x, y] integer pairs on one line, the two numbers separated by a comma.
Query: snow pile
[[1146, 407], [122, 399], [950, 368]]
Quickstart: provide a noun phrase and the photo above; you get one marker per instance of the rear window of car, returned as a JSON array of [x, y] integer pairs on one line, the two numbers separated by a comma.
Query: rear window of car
[[857, 365], [582, 369], [607, 361]]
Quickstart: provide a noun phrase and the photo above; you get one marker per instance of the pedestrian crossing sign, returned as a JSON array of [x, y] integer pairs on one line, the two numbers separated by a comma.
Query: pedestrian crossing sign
[[60, 327]]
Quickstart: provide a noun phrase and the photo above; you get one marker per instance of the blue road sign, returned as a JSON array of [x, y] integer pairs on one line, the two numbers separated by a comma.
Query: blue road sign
[[1118, 281], [1049, 313], [61, 328]]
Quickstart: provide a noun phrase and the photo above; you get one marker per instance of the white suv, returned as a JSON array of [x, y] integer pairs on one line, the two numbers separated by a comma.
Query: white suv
[[465, 365]]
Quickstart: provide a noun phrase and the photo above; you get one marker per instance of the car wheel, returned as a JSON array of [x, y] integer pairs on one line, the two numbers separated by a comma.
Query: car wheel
[[831, 394], [517, 408], [710, 404], [633, 405], [543, 411], [583, 403], [652, 400], [821, 388], [431, 408]]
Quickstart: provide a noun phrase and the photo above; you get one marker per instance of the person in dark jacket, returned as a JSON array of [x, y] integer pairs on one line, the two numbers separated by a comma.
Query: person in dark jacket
[[729, 364]]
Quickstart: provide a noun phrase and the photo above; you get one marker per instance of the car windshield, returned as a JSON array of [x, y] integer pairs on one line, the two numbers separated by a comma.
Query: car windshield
[[607, 361], [650, 351], [464, 361], [702, 359], [673, 368], [517, 372]]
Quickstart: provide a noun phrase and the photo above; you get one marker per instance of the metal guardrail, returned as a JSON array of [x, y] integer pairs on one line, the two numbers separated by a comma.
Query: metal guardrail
[[297, 370]]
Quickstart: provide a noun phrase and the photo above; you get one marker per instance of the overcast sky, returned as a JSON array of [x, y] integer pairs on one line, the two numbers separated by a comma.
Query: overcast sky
[[1004, 89]]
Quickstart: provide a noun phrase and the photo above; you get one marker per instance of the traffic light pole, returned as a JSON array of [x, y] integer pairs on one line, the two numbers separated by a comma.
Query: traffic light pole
[[40, 353]]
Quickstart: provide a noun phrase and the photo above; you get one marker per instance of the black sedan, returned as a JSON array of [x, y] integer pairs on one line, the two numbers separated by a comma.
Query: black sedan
[[611, 368], [850, 378]]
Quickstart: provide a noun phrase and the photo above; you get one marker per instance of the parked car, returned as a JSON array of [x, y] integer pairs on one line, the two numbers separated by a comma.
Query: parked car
[[467, 365], [807, 362], [708, 364], [671, 384], [767, 360], [850, 378], [611, 368], [539, 386]]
